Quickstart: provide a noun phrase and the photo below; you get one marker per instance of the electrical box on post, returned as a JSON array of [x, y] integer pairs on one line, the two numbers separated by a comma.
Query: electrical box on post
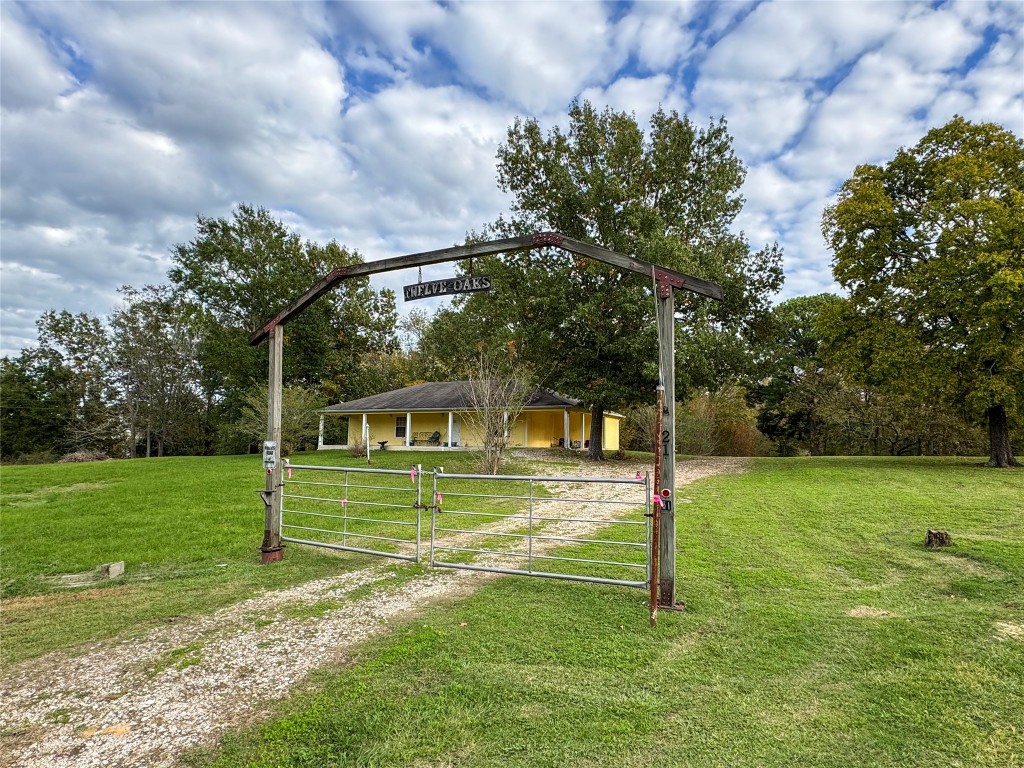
[[269, 455]]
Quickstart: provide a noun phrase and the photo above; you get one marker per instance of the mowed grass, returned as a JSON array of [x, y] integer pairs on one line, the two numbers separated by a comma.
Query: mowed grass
[[188, 530], [820, 632]]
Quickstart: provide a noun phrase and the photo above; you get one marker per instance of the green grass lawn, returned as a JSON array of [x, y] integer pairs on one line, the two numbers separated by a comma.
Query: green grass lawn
[[820, 632], [188, 529]]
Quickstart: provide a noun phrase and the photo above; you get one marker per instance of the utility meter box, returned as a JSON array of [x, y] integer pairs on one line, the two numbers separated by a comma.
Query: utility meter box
[[269, 455]]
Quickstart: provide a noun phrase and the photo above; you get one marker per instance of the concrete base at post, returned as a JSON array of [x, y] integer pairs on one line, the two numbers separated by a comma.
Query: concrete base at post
[[271, 554]]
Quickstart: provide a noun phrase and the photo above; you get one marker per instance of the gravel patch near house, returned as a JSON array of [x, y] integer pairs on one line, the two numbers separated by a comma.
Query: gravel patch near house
[[145, 700]]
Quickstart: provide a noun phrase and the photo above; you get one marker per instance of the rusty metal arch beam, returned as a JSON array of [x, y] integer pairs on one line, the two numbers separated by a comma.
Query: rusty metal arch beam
[[665, 276]]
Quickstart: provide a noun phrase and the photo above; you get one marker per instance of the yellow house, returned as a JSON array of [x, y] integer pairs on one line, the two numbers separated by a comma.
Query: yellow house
[[431, 416]]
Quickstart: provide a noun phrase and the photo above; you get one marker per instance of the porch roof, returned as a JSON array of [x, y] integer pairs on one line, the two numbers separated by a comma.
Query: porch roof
[[439, 396]]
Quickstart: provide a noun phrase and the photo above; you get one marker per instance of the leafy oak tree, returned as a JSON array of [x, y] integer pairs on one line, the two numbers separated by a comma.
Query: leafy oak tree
[[239, 273], [155, 344], [668, 196], [930, 247], [792, 384]]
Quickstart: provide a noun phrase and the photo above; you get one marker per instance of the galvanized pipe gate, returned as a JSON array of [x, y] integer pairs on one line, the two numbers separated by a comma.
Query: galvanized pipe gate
[[511, 524], [666, 281], [356, 489], [544, 528]]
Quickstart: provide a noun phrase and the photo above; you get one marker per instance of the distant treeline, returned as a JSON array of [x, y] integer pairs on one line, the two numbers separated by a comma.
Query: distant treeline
[[924, 355]]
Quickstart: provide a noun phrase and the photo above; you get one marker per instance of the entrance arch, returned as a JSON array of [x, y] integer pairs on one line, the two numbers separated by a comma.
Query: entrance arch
[[667, 281]]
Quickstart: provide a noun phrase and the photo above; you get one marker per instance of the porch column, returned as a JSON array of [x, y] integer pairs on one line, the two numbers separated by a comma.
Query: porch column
[[365, 434], [583, 429], [449, 429], [526, 430], [408, 428], [320, 434], [565, 428]]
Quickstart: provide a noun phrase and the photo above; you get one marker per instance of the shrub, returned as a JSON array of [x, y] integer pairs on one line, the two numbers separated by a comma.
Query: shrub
[[79, 457], [720, 423], [35, 457]]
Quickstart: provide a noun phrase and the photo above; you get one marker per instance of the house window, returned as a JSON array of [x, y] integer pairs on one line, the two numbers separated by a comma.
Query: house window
[[400, 426]]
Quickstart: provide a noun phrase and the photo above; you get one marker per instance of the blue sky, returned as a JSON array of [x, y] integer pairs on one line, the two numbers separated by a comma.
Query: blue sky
[[377, 124]]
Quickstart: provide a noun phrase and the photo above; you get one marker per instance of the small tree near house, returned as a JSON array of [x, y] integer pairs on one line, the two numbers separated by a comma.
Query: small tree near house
[[497, 394], [300, 416]]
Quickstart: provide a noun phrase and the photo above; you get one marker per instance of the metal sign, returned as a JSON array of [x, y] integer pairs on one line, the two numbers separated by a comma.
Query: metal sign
[[447, 286], [269, 455]]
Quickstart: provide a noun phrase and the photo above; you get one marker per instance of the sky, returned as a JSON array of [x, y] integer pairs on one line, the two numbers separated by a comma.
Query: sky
[[377, 123]]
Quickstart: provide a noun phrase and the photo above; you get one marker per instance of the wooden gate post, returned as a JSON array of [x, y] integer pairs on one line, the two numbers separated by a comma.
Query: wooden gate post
[[271, 549], [665, 303]]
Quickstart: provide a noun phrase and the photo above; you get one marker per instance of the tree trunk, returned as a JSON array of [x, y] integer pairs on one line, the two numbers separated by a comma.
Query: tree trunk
[[596, 433], [999, 450]]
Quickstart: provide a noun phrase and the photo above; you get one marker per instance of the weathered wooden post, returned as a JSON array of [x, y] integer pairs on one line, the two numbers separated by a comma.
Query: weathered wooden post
[[665, 303], [271, 550]]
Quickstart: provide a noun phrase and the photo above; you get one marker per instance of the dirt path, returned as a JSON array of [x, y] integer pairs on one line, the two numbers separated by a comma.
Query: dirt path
[[146, 700]]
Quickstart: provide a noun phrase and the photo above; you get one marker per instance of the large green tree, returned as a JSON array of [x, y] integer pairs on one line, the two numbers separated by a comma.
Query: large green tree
[[930, 247], [239, 272], [792, 384], [668, 195], [155, 365], [58, 396]]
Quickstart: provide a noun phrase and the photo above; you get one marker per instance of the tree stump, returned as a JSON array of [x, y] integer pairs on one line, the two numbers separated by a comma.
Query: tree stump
[[936, 539]]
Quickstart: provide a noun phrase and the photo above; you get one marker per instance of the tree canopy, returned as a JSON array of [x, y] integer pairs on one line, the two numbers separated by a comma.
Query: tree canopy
[[240, 272], [170, 370], [668, 196], [930, 247]]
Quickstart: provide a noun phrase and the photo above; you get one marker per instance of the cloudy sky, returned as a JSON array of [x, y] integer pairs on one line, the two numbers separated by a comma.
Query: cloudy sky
[[377, 123]]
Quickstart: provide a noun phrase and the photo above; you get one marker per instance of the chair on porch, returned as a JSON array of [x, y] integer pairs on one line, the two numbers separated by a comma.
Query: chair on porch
[[434, 439]]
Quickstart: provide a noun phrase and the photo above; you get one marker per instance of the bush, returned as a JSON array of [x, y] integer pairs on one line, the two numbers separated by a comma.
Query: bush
[[720, 424], [358, 448], [79, 457], [35, 457], [638, 431]]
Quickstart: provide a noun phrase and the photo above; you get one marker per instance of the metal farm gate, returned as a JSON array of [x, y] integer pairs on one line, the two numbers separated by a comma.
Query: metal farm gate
[[595, 529], [374, 511], [530, 530]]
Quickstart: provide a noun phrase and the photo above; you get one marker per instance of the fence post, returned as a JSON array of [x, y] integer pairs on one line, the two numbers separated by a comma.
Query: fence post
[[433, 511], [271, 550], [667, 362], [419, 507]]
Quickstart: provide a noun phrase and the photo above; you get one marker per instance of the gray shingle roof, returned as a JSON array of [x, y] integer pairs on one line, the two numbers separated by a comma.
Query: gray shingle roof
[[439, 396]]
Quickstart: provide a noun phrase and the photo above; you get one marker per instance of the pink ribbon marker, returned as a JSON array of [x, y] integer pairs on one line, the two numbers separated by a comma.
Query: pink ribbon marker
[[412, 475], [344, 502], [657, 501], [639, 475], [289, 473], [439, 498]]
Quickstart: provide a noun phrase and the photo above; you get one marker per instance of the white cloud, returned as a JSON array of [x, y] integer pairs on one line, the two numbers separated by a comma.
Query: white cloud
[[536, 55], [779, 41], [29, 77], [657, 33], [641, 96], [432, 175], [933, 40], [377, 123], [389, 29]]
